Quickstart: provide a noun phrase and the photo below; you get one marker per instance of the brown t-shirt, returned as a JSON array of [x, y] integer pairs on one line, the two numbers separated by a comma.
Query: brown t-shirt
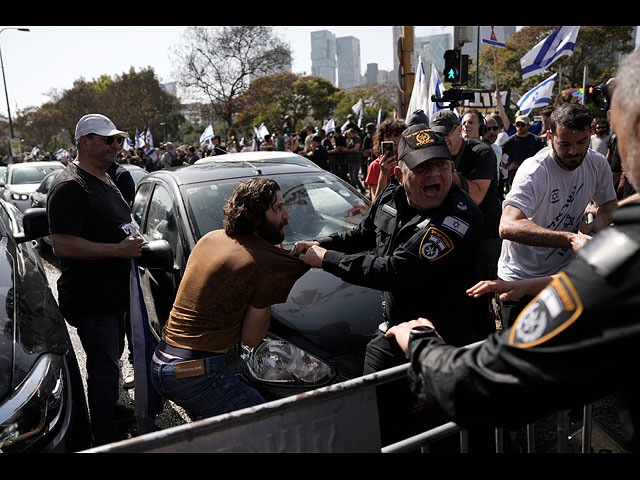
[[223, 277]]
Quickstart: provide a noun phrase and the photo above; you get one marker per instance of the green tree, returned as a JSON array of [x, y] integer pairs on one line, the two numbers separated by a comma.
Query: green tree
[[219, 63]]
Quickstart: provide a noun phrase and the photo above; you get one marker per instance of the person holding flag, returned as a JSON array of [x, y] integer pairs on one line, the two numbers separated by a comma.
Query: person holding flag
[[87, 218]]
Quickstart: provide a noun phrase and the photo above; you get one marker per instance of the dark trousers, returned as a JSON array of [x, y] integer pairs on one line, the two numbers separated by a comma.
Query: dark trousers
[[102, 339], [510, 309]]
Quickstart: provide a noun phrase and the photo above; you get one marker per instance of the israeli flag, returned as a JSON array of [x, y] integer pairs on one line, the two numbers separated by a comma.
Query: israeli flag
[[330, 126], [126, 146], [207, 134], [61, 153], [561, 42], [148, 138], [263, 131], [493, 36], [420, 93], [148, 402], [436, 88], [539, 96], [358, 109]]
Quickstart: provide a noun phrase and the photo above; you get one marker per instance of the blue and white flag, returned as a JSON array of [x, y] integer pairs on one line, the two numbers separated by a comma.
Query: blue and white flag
[[263, 131], [493, 36], [420, 93], [330, 126], [256, 139], [436, 88], [358, 109], [561, 42], [148, 402], [149, 138], [61, 153], [539, 96], [207, 134], [126, 145]]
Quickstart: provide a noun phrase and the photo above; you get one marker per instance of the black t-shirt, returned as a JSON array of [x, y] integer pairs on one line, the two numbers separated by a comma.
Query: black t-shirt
[[521, 148], [82, 205], [476, 161]]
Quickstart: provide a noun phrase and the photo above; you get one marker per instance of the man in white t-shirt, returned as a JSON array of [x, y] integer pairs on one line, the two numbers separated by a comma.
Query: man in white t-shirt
[[542, 221]]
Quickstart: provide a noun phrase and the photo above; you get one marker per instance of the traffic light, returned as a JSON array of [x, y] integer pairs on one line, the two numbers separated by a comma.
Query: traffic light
[[452, 66], [588, 93]]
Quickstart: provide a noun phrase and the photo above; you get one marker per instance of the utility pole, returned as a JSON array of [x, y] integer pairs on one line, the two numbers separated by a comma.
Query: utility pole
[[406, 75]]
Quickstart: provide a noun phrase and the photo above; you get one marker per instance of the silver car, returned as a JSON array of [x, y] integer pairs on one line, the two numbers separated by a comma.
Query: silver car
[[24, 178]]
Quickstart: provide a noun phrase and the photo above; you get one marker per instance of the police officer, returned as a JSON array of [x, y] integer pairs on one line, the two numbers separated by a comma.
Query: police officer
[[578, 339], [420, 238]]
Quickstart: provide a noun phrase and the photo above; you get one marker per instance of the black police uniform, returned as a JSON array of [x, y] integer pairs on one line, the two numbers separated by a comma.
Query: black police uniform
[[577, 341], [423, 261]]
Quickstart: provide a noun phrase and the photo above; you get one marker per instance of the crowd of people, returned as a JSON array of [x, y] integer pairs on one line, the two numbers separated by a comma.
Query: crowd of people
[[479, 229]]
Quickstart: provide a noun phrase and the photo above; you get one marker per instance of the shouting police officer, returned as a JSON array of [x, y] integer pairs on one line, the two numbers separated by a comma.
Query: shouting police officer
[[576, 341], [420, 239]]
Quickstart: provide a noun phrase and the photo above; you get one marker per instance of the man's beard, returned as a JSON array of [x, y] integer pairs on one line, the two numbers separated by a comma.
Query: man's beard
[[568, 164], [274, 234]]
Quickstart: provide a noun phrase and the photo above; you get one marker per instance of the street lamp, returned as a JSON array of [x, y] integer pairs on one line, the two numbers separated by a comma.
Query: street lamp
[[6, 93]]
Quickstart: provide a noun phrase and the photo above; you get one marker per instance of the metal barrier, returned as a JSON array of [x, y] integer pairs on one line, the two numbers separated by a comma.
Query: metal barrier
[[343, 417]]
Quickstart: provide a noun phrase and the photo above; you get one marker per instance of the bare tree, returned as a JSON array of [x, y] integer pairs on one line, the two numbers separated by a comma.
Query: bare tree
[[219, 63]]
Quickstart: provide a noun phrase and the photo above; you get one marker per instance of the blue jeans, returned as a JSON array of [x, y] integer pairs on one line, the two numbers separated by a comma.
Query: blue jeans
[[215, 392], [102, 339]]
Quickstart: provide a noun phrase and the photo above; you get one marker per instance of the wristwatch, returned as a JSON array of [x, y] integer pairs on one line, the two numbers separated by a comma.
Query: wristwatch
[[423, 331]]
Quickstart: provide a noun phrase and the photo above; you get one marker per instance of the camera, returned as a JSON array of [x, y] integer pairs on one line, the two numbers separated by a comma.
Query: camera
[[453, 96], [602, 95]]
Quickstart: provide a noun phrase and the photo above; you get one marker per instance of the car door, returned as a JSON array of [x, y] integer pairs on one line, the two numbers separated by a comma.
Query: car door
[[155, 211]]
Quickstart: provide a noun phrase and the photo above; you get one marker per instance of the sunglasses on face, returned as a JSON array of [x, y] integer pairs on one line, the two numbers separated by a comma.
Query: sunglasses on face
[[111, 139], [493, 128]]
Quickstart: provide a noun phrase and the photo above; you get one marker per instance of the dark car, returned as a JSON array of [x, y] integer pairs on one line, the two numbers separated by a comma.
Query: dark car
[[319, 335], [137, 173], [42, 401]]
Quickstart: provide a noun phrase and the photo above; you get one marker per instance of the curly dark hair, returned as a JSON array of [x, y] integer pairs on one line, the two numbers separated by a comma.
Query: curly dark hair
[[389, 127], [245, 209]]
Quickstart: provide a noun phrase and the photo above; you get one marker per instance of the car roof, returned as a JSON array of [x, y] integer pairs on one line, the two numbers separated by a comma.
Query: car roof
[[222, 170], [36, 164], [260, 156]]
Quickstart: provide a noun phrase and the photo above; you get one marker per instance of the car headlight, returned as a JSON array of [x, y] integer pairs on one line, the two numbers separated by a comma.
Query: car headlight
[[36, 406], [19, 196], [277, 361]]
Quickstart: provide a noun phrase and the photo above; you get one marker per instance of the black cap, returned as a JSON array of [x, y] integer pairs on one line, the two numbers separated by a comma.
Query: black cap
[[443, 121], [419, 143], [417, 117]]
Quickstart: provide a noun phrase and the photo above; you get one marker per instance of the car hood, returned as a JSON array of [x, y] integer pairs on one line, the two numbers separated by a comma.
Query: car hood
[[30, 322], [327, 316], [23, 188]]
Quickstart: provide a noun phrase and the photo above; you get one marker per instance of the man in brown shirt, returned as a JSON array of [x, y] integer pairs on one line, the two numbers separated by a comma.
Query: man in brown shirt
[[232, 278]]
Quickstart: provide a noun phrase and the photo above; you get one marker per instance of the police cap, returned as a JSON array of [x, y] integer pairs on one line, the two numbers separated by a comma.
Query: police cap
[[419, 143]]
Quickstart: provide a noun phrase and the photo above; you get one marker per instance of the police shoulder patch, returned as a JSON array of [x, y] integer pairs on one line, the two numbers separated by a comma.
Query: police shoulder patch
[[552, 311], [456, 224], [435, 244]]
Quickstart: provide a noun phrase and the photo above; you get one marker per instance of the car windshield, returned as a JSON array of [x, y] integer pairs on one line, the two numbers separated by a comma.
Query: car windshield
[[319, 204], [31, 174]]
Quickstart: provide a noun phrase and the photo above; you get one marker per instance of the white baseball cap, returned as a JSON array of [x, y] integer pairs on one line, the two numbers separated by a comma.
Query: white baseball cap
[[98, 124]]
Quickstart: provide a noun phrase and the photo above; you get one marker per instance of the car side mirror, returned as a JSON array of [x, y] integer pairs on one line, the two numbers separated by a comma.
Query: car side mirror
[[157, 254], [35, 224]]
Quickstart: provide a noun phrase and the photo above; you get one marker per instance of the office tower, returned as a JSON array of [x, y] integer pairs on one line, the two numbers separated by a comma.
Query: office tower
[[323, 55], [348, 53]]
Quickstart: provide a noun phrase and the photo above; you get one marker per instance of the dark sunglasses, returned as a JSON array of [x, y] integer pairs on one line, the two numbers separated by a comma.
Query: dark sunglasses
[[493, 128], [111, 139]]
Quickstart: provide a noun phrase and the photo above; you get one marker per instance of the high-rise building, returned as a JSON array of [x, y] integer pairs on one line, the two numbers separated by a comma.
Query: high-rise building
[[348, 54], [323, 55]]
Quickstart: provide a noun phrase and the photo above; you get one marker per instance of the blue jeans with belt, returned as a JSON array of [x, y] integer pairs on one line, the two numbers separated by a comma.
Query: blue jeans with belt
[[203, 387]]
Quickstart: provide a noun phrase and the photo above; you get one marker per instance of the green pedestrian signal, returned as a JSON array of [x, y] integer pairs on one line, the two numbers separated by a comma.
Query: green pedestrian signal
[[452, 66]]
